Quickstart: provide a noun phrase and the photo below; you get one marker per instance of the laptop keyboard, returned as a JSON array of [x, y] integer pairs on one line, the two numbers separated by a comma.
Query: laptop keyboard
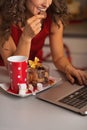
[[77, 99]]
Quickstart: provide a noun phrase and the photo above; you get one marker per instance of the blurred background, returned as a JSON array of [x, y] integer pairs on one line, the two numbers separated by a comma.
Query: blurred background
[[75, 36]]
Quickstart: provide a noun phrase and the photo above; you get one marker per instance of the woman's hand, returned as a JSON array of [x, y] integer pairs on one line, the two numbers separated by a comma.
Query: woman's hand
[[76, 75], [33, 26]]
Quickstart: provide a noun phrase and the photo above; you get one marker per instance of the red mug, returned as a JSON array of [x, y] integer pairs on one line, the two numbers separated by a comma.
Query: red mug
[[17, 66]]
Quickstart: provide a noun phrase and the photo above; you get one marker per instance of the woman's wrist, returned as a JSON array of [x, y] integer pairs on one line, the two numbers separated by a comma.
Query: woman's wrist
[[63, 64], [25, 38], [67, 68]]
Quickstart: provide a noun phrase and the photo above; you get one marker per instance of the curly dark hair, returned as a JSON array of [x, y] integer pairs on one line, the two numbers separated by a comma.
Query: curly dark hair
[[13, 11]]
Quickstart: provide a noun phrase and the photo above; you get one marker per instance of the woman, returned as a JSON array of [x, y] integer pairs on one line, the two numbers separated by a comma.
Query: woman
[[24, 26]]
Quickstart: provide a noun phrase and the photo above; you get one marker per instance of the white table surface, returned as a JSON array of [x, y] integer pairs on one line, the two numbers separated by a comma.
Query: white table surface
[[30, 113]]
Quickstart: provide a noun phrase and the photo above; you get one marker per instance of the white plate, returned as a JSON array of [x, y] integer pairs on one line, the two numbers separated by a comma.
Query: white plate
[[52, 81], [6, 86]]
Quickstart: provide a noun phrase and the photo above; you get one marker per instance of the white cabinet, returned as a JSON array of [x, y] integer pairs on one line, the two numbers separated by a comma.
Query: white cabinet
[[78, 51]]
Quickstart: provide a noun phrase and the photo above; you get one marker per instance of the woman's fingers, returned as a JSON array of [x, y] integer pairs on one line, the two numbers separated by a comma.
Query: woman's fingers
[[77, 76], [70, 78], [34, 18], [34, 25], [83, 76], [37, 29]]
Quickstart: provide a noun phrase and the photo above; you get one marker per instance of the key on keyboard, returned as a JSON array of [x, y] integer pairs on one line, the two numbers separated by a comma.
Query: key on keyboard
[[77, 99]]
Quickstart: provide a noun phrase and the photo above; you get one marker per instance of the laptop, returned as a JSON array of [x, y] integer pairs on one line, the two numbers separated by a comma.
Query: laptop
[[66, 95]]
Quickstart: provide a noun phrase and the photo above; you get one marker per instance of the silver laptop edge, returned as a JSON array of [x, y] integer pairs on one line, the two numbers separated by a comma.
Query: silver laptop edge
[[58, 92]]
